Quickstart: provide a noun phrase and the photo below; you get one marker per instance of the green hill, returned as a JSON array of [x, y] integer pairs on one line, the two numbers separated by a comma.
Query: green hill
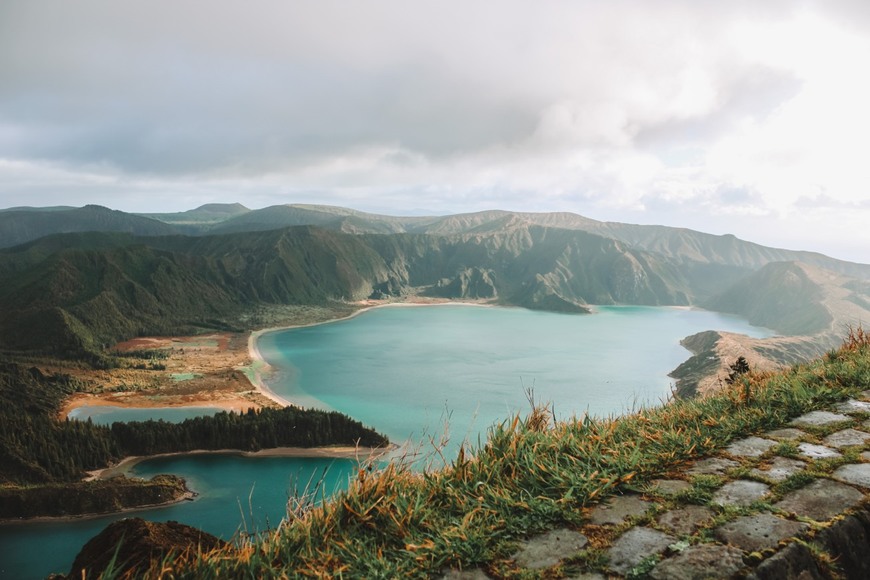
[[26, 224], [76, 293], [780, 296]]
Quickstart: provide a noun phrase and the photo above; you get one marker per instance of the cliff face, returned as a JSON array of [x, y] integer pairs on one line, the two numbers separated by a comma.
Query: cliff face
[[780, 296], [71, 294]]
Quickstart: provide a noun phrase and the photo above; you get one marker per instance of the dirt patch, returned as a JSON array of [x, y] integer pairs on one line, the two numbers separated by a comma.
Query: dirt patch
[[215, 361]]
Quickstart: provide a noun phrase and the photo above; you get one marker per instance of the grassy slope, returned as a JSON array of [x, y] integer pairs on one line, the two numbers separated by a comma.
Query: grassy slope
[[530, 475]]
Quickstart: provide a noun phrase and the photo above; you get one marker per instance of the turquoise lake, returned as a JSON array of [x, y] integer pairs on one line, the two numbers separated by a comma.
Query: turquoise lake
[[406, 371]]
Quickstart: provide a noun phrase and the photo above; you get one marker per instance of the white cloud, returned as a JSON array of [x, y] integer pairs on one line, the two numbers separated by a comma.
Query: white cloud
[[688, 113]]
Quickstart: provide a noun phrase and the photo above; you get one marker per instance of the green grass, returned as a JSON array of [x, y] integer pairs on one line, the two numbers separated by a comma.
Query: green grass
[[530, 475]]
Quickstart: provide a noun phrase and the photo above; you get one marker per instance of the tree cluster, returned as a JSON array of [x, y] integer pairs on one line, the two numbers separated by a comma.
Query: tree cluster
[[37, 448]]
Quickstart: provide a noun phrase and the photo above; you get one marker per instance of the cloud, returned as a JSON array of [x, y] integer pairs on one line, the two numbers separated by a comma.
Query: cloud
[[674, 110]]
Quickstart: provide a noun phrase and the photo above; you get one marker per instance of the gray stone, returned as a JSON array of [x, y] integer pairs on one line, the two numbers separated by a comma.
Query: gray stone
[[669, 486], [634, 546], [685, 520], [548, 549], [794, 561], [853, 406], [750, 447], [865, 394], [788, 434], [854, 473], [588, 576], [813, 451], [818, 419], [865, 455], [712, 466], [846, 438], [699, 563], [758, 532], [740, 493], [820, 500], [781, 468], [846, 541], [618, 509], [475, 574]]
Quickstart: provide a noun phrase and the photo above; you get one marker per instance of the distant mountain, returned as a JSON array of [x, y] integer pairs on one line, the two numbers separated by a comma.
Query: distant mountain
[[695, 250], [197, 220], [684, 245], [782, 296], [47, 208], [19, 226]]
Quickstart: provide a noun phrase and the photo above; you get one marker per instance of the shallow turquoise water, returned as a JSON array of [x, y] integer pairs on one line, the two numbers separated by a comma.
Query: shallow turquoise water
[[408, 371], [404, 371]]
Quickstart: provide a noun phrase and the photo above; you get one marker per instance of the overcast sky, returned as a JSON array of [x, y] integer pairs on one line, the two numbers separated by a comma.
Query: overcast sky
[[736, 117]]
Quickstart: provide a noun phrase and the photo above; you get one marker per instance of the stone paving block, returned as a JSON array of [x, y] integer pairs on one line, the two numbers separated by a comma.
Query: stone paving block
[[812, 451], [758, 532], [740, 493], [787, 434], [865, 394], [669, 486], [865, 455], [548, 549], [781, 468], [853, 406], [685, 520], [712, 466], [818, 419], [635, 545], [854, 473], [750, 447], [820, 500], [700, 563], [618, 509], [846, 438]]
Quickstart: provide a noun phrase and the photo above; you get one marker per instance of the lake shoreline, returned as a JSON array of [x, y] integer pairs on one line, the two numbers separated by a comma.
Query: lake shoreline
[[259, 367], [334, 452]]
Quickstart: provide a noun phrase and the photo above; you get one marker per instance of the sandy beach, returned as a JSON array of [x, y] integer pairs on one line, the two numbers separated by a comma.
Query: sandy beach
[[334, 452]]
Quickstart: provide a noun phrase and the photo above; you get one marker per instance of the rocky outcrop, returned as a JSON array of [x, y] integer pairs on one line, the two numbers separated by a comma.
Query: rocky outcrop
[[133, 543], [471, 283]]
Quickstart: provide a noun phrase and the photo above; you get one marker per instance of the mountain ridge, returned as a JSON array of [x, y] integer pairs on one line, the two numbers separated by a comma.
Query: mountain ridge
[[77, 292], [684, 244]]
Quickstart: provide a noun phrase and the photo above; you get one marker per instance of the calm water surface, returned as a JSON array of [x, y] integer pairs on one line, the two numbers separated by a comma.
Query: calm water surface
[[407, 372]]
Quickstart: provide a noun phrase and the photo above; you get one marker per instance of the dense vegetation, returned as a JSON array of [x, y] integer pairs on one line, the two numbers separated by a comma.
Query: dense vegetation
[[37, 448], [531, 474], [93, 497]]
